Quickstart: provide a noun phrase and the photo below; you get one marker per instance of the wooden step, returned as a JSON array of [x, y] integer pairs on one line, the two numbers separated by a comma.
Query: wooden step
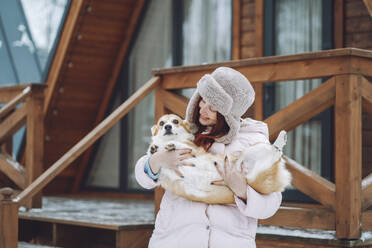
[[30, 245], [280, 237], [88, 222]]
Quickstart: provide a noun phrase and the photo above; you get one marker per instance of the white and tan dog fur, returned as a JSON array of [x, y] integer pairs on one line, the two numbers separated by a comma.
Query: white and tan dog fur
[[265, 167]]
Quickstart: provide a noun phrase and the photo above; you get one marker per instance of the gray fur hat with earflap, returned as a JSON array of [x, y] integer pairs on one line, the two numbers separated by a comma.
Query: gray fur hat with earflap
[[229, 92]]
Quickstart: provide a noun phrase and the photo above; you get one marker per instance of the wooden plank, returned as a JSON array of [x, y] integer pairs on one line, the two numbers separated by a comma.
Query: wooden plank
[[61, 52], [367, 106], [258, 102], [13, 170], [236, 29], [367, 220], [338, 23], [110, 87], [13, 103], [133, 238], [368, 4], [34, 156], [366, 90], [12, 123], [8, 222], [175, 103], [259, 27], [302, 109], [302, 217], [310, 183], [333, 54], [348, 156], [273, 72], [87, 141], [9, 92], [367, 192]]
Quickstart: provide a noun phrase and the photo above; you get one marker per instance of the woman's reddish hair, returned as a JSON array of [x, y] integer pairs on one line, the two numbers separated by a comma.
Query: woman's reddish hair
[[206, 140]]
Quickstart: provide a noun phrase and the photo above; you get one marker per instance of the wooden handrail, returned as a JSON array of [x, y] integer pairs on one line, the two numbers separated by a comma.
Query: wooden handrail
[[13, 103], [303, 109], [87, 141]]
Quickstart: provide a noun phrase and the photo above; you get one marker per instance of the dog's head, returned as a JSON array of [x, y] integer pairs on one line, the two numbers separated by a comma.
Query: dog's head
[[173, 127]]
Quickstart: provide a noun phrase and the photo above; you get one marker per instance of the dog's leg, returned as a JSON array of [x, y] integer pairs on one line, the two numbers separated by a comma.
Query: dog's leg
[[153, 149], [170, 147]]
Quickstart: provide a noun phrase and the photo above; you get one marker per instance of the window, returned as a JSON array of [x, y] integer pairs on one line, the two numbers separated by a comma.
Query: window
[[163, 39], [297, 26], [29, 31]]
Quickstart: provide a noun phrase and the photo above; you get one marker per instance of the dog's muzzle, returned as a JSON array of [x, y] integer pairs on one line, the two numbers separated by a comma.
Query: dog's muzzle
[[168, 129]]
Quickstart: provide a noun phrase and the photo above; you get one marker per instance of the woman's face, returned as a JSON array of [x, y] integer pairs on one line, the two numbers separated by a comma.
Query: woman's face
[[208, 115]]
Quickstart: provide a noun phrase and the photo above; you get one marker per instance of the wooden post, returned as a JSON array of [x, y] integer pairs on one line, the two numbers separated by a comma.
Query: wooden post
[[8, 219], [34, 142], [159, 111], [348, 156]]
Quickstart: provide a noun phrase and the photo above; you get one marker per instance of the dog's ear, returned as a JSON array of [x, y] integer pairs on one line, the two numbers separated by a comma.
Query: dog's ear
[[154, 130], [190, 127]]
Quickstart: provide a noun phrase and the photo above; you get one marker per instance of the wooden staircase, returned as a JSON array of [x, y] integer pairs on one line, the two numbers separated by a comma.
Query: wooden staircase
[[88, 222]]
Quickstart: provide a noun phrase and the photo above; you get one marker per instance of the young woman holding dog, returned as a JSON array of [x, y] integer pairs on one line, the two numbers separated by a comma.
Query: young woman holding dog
[[216, 107]]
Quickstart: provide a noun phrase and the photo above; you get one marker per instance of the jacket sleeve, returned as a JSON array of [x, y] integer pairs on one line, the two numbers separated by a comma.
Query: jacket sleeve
[[142, 178], [259, 206]]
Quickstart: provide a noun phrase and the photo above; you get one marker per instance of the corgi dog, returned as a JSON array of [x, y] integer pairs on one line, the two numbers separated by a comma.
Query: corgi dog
[[265, 167]]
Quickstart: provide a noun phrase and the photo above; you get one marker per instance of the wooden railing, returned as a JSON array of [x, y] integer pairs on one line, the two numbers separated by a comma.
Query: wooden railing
[[23, 105], [342, 202]]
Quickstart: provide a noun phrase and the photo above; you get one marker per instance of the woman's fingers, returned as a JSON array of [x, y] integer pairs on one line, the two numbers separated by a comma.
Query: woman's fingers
[[226, 164], [243, 169], [187, 164], [183, 151], [178, 172], [218, 182], [185, 156], [219, 170]]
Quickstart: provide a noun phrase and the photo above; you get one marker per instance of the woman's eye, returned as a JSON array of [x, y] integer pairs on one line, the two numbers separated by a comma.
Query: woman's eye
[[161, 123], [175, 121]]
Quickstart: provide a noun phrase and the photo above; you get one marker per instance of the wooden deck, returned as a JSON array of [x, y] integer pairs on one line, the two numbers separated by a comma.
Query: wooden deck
[[88, 222], [70, 222]]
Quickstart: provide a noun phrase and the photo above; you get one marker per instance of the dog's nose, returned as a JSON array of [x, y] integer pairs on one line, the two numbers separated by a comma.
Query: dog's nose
[[168, 127]]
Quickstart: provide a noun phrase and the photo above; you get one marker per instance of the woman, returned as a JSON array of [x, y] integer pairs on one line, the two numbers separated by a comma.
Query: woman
[[216, 107]]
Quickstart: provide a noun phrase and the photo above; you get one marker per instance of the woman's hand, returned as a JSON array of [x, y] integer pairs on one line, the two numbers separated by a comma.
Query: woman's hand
[[170, 159], [233, 178]]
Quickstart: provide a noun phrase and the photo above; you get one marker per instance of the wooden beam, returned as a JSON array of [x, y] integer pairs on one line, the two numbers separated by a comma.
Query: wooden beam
[[367, 192], [302, 109], [338, 23], [13, 170], [12, 123], [314, 218], [34, 152], [174, 102], [348, 156], [367, 220], [368, 4], [310, 183], [61, 52], [277, 68], [8, 220], [366, 90], [259, 27], [109, 88], [87, 141], [258, 102], [236, 29], [13, 103]]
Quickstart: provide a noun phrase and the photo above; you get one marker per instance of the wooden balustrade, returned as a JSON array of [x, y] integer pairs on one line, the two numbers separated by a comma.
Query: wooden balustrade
[[347, 89]]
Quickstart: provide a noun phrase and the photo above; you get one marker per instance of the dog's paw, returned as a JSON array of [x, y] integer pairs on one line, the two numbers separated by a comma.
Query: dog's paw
[[153, 149], [170, 147]]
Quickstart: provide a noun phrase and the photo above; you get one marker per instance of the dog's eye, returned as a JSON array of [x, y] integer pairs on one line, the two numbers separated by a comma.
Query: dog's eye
[[175, 121], [161, 123]]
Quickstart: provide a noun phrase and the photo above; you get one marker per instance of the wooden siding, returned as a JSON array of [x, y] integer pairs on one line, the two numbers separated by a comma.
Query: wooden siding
[[93, 44]]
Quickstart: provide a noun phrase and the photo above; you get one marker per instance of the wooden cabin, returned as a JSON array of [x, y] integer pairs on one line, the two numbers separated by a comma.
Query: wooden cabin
[[77, 107]]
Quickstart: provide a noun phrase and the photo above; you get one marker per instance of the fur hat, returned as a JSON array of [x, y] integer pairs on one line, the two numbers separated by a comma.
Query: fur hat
[[229, 92]]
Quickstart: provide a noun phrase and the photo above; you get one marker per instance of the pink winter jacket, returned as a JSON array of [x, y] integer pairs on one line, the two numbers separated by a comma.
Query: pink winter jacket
[[184, 223]]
